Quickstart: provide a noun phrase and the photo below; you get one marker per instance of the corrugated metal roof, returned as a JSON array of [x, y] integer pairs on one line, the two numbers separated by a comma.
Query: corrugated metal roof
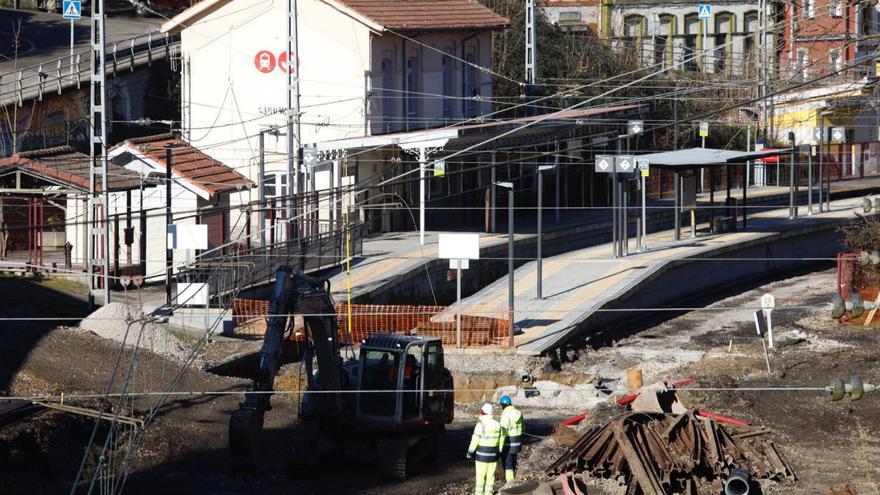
[[70, 167], [704, 157]]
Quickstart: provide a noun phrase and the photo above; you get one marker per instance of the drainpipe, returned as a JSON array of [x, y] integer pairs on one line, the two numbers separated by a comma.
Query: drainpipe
[[464, 67]]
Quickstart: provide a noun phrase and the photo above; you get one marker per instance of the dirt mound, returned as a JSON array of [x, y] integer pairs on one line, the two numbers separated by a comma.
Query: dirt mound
[[119, 322]]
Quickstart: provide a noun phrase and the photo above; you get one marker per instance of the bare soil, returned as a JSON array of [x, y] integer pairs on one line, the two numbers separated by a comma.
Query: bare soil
[[184, 450]]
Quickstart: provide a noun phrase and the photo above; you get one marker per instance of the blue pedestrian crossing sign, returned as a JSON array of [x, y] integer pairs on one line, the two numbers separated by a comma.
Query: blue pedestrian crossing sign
[[704, 10], [71, 9]]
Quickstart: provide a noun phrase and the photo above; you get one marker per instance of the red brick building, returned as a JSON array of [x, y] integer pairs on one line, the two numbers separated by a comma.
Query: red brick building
[[821, 37]]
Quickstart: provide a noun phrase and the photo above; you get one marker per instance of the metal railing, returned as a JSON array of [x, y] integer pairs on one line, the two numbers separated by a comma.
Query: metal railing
[[240, 269], [26, 83]]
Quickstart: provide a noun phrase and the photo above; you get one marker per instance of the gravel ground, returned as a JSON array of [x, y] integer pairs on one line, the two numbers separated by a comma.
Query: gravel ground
[[122, 323], [829, 444]]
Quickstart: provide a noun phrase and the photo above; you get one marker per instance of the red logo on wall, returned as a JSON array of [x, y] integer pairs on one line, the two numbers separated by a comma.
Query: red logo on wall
[[282, 63], [264, 61]]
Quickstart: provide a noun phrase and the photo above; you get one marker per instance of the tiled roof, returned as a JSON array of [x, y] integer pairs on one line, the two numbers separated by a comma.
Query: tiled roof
[[409, 15], [194, 166], [68, 166]]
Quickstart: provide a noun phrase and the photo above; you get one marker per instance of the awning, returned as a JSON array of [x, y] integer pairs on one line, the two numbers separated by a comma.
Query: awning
[[440, 136], [706, 157]]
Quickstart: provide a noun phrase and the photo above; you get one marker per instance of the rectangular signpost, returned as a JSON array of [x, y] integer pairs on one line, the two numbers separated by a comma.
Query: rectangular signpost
[[643, 167], [71, 9], [459, 249]]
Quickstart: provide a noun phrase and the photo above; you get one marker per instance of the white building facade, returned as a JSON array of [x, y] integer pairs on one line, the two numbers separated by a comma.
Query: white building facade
[[362, 71], [672, 34]]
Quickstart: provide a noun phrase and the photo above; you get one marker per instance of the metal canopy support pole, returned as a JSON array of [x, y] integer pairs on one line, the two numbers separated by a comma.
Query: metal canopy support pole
[[422, 160], [645, 212], [99, 238], [677, 205], [540, 232], [169, 249], [615, 234], [810, 181], [792, 201], [729, 179], [261, 192], [624, 204], [624, 224], [821, 143], [711, 192], [510, 266], [745, 205], [556, 166], [294, 129], [493, 192], [458, 302]]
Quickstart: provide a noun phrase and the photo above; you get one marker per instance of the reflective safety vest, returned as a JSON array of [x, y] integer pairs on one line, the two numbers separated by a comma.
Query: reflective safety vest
[[512, 425], [487, 440]]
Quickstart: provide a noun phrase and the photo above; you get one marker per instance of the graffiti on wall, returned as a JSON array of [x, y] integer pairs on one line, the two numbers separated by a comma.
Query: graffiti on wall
[[56, 120]]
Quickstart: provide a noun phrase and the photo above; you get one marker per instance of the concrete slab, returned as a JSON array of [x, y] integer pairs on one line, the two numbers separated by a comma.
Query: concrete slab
[[580, 283]]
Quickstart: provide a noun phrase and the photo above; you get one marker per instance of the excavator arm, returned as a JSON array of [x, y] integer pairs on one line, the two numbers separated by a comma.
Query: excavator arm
[[291, 293]]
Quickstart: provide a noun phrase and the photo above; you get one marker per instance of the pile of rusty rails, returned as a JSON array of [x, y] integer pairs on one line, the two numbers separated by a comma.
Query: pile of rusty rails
[[658, 454]]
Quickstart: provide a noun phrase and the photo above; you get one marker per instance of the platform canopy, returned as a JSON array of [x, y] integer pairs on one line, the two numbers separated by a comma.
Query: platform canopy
[[706, 157]]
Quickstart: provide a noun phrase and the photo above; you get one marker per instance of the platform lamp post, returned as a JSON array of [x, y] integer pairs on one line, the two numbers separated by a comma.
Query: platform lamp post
[[822, 185], [509, 186]]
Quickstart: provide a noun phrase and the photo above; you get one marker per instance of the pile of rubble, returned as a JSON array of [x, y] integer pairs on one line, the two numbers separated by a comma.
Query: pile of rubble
[[662, 453]]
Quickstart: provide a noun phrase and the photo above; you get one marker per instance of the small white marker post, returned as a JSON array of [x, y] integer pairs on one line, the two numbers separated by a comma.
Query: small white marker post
[[768, 302], [459, 249], [761, 327]]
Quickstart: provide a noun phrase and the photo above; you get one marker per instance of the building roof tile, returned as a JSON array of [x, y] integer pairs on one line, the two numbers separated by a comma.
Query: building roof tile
[[190, 163], [70, 167], [417, 15]]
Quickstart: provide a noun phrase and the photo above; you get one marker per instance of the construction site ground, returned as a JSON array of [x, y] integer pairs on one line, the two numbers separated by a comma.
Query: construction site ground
[[184, 450]]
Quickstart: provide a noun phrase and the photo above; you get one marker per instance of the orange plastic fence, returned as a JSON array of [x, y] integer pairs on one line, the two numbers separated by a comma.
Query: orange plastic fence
[[369, 319]]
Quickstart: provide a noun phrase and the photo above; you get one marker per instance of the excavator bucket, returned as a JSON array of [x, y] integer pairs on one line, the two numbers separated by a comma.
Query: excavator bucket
[[245, 432]]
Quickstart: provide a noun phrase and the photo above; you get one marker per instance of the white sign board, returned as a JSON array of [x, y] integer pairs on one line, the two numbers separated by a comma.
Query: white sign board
[[635, 126], [192, 294], [604, 163], [188, 236], [460, 246], [459, 264]]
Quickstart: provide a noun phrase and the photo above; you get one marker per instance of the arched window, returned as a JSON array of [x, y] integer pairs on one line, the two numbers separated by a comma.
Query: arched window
[[662, 43], [447, 68], [387, 82], [750, 41], [412, 89], [691, 32], [471, 82], [633, 33], [724, 27]]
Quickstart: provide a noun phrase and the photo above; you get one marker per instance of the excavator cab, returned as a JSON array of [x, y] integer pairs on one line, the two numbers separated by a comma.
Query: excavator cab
[[402, 392], [404, 382]]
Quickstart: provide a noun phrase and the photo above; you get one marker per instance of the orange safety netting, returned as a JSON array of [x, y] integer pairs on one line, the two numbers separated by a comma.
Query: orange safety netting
[[370, 319]]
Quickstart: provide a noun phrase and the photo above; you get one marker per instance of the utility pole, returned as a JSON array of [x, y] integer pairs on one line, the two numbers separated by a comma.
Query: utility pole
[[531, 45], [98, 250], [169, 249], [261, 193], [293, 121]]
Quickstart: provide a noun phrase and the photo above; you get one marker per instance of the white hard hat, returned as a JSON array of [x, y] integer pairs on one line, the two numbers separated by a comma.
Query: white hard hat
[[486, 409]]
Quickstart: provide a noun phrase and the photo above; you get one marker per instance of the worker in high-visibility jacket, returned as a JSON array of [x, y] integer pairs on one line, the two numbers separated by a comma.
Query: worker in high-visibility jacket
[[486, 444], [512, 429]]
